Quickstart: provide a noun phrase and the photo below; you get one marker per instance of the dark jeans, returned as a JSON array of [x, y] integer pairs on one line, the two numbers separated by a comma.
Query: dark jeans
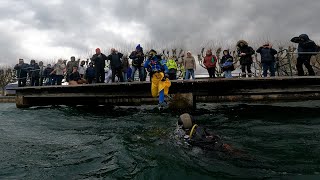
[[306, 61], [57, 79], [268, 66], [22, 82], [118, 72], [48, 81], [90, 80], [34, 81], [100, 75], [41, 81], [245, 67], [212, 72], [141, 73], [172, 76]]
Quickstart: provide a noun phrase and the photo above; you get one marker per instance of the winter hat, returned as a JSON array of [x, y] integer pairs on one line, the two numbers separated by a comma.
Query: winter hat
[[139, 48], [152, 52]]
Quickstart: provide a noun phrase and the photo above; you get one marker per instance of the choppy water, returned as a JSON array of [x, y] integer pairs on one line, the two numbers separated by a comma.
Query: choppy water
[[279, 140]]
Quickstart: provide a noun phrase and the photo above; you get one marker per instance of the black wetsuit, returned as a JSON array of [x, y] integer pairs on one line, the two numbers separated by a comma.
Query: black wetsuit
[[205, 140]]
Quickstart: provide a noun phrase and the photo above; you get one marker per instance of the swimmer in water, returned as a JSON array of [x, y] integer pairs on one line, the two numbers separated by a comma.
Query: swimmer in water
[[195, 135]]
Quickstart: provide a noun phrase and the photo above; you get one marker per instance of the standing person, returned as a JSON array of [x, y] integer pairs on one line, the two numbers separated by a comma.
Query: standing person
[[58, 72], [267, 59], [116, 64], [172, 67], [22, 73], [82, 69], [137, 57], [245, 53], [42, 67], [99, 61], [210, 62], [159, 82], [190, 65], [34, 73], [90, 73], [226, 64], [125, 66], [129, 73], [70, 66], [305, 45], [47, 76]]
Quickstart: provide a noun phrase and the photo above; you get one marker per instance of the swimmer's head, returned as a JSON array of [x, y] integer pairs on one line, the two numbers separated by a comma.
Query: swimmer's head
[[186, 121]]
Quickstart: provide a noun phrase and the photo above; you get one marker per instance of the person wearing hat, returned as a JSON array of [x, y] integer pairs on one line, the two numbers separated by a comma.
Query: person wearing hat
[[159, 77], [267, 59], [196, 135], [306, 48], [189, 64], [245, 53], [137, 57]]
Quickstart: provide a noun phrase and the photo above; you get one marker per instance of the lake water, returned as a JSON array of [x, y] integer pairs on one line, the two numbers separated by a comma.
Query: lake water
[[275, 140]]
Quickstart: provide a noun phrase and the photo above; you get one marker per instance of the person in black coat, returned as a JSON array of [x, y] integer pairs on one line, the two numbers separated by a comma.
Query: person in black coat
[[245, 53], [267, 59], [305, 46], [116, 64], [137, 57], [90, 73], [99, 61], [34, 73], [48, 77], [22, 73], [226, 64]]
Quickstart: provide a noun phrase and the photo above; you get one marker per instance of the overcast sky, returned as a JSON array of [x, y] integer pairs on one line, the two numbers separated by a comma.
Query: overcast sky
[[46, 30]]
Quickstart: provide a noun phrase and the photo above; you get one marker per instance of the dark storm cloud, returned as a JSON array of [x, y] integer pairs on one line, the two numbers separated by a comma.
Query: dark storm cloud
[[83, 25]]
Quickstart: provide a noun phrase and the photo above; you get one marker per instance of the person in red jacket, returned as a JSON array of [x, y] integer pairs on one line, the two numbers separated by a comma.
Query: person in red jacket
[[210, 62]]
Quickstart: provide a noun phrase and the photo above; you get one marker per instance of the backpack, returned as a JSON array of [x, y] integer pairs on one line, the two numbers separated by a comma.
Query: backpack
[[316, 49], [213, 60]]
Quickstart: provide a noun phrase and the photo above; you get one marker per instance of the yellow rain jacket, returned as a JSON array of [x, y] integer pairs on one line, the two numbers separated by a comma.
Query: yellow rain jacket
[[158, 85]]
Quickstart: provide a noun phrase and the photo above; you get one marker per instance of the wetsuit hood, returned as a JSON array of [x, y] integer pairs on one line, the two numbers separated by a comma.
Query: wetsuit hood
[[186, 120]]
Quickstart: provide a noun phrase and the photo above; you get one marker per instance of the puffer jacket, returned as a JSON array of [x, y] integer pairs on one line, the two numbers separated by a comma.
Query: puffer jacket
[[247, 59]]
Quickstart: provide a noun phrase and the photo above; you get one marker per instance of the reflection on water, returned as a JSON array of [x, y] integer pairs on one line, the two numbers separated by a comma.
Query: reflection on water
[[278, 140]]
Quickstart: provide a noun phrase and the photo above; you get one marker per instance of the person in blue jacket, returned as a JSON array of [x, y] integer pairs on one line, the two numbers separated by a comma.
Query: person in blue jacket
[[159, 77], [267, 59]]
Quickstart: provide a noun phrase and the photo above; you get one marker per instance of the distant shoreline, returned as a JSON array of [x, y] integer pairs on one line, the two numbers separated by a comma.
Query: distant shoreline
[[7, 99]]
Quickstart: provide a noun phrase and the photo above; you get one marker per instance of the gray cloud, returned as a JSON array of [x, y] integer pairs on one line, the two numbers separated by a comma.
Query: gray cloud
[[60, 28]]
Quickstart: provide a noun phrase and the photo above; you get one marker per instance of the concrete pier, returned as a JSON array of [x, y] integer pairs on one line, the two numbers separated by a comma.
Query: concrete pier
[[185, 94]]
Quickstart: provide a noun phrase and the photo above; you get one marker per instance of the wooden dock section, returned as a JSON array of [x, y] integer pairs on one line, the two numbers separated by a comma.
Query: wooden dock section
[[185, 93]]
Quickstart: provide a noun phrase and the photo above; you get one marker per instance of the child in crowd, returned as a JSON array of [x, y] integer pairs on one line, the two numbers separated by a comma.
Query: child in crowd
[[82, 69], [226, 64], [90, 73]]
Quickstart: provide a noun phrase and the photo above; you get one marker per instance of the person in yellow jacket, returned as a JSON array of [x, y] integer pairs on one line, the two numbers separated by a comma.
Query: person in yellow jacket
[[172, 67], [159, 77]]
